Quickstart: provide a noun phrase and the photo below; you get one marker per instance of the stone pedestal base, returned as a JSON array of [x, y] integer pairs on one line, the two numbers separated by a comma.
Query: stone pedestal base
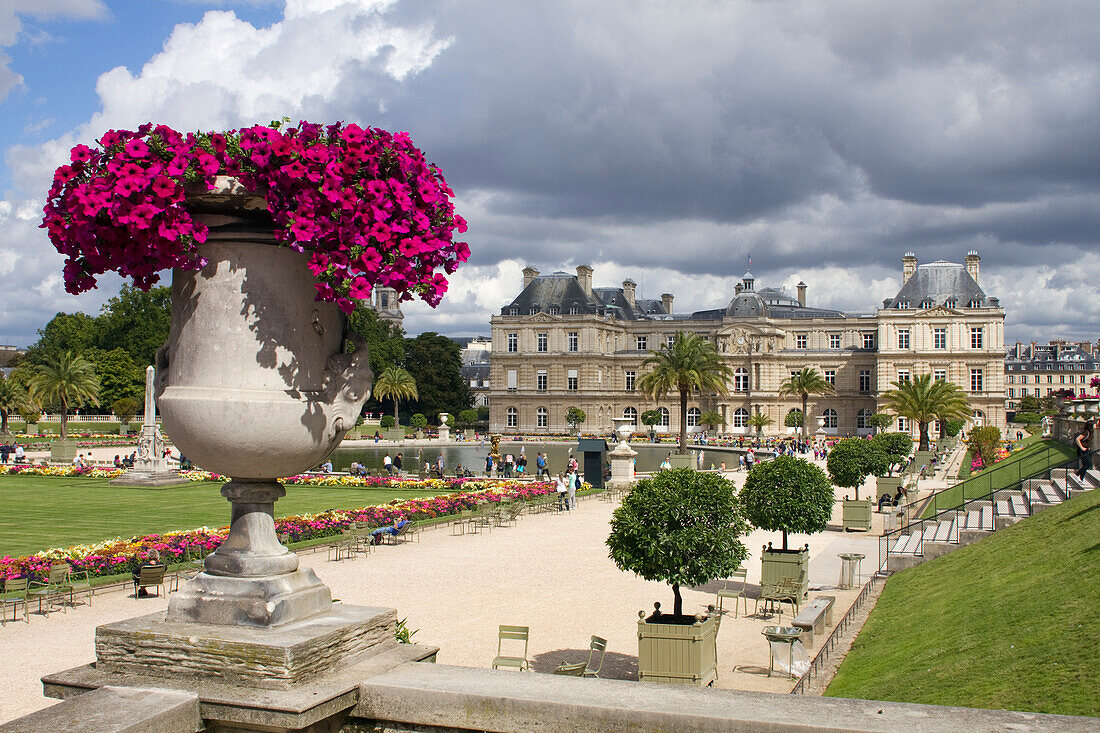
[[268, 601], [264, 658]]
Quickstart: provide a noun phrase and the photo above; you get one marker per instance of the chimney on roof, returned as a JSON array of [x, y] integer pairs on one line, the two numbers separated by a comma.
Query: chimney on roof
[[629, 287], [972, 260], [801, 293], [737, 289], [908, 266], [666, 299], [529, 274], [584, 279]]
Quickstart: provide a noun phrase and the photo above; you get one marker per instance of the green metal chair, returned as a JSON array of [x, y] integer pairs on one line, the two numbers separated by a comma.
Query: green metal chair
[[150, 576], [734, 587], [14, 597], [52, 590], [514, 635], [80, 584], [572, 669], [597, 645]]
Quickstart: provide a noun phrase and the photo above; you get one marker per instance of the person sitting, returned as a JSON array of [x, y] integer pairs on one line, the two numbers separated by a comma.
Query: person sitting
[[152, 560], [118, 461], [326, 467], [884, 501]]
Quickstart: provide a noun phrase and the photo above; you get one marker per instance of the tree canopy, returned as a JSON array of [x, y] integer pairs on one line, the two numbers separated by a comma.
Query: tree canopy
[[575, 416], [68, 380], [852, 460], [435, 362], [394, 383], [924, 399], [895, 446], [681, 527], [804, 383], [787, 494], [689, 362]]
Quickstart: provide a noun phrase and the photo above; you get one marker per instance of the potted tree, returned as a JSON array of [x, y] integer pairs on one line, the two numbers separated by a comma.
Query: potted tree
[[759, 421], [124, 408], [681, 527], [850, 462], [31, 414], [793, 419], [575, 416], [466, 419], [785, 495], [880, 421], [650, 418], [896, 447], [418, 423]]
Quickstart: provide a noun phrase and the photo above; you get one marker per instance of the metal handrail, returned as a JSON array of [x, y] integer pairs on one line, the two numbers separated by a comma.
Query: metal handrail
[[960, 510], [830, 643]]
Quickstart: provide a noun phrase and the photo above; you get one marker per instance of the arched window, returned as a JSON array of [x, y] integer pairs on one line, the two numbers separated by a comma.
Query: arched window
[[979, 418], [862, 418], [631, 414], [513, 417], [741, 379], [542, 417], [664, 416], [740, 417], [693, 417], [830, 418]]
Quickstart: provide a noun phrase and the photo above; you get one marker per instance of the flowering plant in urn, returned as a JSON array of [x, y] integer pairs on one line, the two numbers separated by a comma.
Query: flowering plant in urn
[[273, 235]]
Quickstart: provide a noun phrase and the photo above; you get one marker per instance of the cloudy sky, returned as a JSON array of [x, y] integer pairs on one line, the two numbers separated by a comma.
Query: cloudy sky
[[666, 142]]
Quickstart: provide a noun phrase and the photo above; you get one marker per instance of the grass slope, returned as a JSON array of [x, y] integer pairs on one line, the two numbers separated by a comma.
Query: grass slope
[[37, 513], [1010, 622], [1036, 455]]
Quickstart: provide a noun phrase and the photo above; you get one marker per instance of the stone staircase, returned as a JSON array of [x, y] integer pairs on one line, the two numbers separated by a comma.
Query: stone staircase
[[978, 519]]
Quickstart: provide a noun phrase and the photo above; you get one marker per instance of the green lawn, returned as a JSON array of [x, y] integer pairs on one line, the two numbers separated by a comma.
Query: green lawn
[[1010, 622], [1035, 454], [37, 513]]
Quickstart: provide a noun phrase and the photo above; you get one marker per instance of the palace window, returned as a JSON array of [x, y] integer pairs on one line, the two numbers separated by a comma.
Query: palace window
[[512, 380], [664, 416], [800, 341], [834, 340], [830, 377], [862, 418], [830, 418], [540, 380], [903, 424], [630, 381], [939, 338], [869, 340], [670, 339], [939, 375], [513, 417], [976, 334], [631, 414], [534, 310], [574, 310], [574, 341], [976, 380], [554, 310], [513, 311], [542, 417], [642, 341], [903, 375], [544, 341], [741, 380], [903, 338], [926, 304], [740, 417], [864, 380], [1011, 392], [693, 417], [571, 380], [513, 343]]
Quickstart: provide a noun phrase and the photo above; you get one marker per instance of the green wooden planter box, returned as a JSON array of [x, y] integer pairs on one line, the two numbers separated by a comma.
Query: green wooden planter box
[[392, 434], [62, 451], [857, 515], [682, 461], [887, 485], [778, 564], [677, 653], [922, 458]]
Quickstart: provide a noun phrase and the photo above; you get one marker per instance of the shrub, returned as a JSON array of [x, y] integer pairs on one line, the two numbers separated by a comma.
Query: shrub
[[787, 495], [896, 446], [854, 459], [681, 527], [387, 422], [984, 443], [418, 421]]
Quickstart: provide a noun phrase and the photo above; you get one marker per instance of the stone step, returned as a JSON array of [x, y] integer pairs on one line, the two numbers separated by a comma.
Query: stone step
[[1050, 494], [1019, 504], [943, 532]]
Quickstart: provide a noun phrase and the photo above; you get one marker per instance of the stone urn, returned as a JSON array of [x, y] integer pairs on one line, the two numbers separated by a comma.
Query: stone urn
[[254, 384]]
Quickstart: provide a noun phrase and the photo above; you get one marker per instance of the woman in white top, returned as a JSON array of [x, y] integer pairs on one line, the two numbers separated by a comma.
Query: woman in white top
[[559, 486]]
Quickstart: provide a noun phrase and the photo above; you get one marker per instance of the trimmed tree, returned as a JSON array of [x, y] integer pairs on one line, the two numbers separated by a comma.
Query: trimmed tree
[[125, 408], [984, 443], [852, 460], [802, 384], [467, 417], [650, 418], [794, 419], [387, 422], [680, 527], [689, 362], [880, 421], [418, 421], [787, 494], [895, 446], [575, 416]]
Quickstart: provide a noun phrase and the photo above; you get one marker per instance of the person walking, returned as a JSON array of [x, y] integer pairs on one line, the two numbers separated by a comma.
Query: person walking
[[1083, 443], [397, 463], [489, 465], [439, 465], [559, 487], [387, 463], [541, 468], [573, 485]]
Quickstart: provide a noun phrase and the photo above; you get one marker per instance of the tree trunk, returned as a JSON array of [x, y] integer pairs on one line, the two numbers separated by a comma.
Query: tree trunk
[[64, 420], [784, 539], [805, 418], [4, 422], [683, 422], [678, 602], [923, 445], [396, 419]]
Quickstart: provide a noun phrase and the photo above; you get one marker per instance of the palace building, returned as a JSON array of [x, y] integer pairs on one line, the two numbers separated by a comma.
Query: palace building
[[562, 342]]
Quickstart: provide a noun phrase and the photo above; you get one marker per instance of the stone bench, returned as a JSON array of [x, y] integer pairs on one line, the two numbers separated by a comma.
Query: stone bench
[[814, 617]]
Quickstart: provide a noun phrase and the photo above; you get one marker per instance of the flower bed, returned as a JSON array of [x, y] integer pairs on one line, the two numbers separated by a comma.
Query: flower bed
[[26, 469], [117, 556]]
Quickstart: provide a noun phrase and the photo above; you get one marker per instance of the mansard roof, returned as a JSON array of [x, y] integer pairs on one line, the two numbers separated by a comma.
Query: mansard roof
[[562, 290], [940, 282]]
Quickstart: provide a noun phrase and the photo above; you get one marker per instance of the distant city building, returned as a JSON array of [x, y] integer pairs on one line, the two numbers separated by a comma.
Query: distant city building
[[1038, 370], [385, 304], [475, 366], [563, 342]]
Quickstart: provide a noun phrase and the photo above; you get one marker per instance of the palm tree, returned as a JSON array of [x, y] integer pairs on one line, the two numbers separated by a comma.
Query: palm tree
[[760, 421], [395, 382], [12, 398], [711, 419], [924, 399], [689, 362], [805, 383], [68, 380]]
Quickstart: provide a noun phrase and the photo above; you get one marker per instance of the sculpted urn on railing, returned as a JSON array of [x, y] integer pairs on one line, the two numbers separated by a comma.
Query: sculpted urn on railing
[[273, 236]]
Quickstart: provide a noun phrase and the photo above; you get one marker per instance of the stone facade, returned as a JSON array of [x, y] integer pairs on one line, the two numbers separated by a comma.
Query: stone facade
[[562, 342], [1039, 370]]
